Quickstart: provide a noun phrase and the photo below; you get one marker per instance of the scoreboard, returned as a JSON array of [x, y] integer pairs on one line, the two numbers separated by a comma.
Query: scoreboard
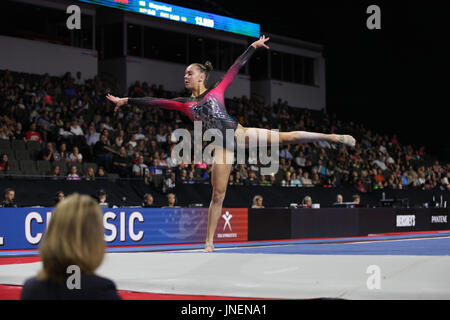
[[183, 15]]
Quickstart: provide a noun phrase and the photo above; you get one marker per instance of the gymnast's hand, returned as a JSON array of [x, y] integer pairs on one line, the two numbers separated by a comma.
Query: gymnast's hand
[[117, 101], [261, 42]]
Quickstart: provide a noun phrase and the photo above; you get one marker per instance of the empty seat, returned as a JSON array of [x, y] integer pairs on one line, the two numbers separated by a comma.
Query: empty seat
[[28, 167], [5, 145], [22, 155], [113, 177], [34, 149], [18, 145], [14, 174], [44, 167], [13, 165]]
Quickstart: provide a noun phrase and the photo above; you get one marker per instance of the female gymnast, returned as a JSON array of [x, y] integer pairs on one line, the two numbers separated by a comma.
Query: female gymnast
[[208, 106]]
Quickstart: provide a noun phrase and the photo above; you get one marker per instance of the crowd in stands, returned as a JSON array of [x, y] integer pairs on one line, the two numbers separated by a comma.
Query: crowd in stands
[[75, 124]]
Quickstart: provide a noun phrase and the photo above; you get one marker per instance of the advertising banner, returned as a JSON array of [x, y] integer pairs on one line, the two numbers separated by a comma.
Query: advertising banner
[[23, 228]]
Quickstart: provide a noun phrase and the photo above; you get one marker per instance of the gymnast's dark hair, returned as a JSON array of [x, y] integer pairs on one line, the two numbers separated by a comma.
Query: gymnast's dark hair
[[205, 68]]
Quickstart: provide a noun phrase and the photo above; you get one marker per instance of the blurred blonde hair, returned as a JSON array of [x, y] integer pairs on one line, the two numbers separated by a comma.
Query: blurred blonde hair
[[75, 236]]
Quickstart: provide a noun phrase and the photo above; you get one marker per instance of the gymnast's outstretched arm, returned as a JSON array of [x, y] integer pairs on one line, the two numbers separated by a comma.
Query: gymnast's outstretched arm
[[148, 102]]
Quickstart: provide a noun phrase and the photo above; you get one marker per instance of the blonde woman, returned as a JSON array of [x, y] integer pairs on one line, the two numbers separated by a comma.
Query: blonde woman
[[74, 238], [257, 202]]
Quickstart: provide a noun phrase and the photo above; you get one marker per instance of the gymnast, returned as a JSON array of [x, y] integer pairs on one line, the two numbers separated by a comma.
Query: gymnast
[[208, 106]]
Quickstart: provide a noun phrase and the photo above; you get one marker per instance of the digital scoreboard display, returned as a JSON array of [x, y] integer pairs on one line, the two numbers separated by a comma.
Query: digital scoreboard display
[[183, 15]]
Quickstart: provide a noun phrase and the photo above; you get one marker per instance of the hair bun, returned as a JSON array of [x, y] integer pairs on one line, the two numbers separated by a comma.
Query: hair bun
[[209, 66]]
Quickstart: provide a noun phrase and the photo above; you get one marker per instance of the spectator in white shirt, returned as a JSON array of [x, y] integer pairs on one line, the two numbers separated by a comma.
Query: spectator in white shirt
[[285, 153], [161, 136], [76, 156], [300, 160], [140, 169], [92, 136], [139, 135], [107, 123], [305, 180], [133, 141], [380, 163], [75, 128]]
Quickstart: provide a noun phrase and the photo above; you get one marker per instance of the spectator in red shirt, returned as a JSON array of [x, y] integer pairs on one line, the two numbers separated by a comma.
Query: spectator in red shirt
[[32, 134], [4, 163]]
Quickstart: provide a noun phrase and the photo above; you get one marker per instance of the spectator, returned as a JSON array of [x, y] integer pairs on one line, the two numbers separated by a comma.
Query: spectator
[[120, 139], [59, 197], [237, 179], [32, 134], [286, 153], [357, 201], [73, 175], [101, 196], [48, 153], [4, 163], [257, 202], [339, 199], [252, 180], [321, 169], [90, 174], [56, 173], [102, 152], [295, 182], [171, 201], [62, 247], [76, 156], [300, 160], [155, 168], [263, 181], [92, 137], [101, 172], [287, 180], [18, 133], [148, 201], [305, 180], [307, 202], [169, 183], [140, 169], [183, 178], [122, 164], [75, 128], [9, 199], [63, 154]]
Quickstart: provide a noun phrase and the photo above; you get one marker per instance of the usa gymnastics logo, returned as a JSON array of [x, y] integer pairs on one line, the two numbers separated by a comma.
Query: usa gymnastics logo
[[227, 216]]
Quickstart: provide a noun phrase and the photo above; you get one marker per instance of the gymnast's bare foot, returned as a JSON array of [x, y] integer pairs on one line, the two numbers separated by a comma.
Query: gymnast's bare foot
[[209, 246], [347, 140]]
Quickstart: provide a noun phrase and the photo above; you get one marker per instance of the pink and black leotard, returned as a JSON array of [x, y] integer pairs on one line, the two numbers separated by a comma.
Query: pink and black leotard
[[209, 107]]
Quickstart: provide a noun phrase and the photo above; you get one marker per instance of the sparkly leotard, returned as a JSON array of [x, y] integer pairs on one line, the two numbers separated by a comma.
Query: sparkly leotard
[[209, 108]]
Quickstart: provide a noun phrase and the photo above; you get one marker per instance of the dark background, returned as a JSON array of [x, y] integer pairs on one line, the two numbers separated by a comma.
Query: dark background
[[393, 80]]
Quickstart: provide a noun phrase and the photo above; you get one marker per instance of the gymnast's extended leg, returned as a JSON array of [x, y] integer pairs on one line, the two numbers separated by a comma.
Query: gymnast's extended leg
[[292, 137]]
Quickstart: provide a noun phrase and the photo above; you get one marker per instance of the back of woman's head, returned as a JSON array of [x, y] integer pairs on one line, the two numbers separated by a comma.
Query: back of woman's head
[[205, 68], [256, 198], [75, 236]]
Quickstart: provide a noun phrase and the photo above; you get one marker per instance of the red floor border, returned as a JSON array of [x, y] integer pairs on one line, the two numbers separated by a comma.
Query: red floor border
[[10, 292]]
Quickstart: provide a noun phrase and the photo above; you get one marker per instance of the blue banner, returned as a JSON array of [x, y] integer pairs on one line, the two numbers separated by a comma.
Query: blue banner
[[23, 228]]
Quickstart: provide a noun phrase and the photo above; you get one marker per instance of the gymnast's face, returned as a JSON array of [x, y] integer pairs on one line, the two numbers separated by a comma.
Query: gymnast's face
[[193, 77]]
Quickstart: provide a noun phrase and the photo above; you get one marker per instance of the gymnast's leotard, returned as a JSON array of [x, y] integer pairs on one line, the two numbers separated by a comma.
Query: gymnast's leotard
[[209, 107]]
